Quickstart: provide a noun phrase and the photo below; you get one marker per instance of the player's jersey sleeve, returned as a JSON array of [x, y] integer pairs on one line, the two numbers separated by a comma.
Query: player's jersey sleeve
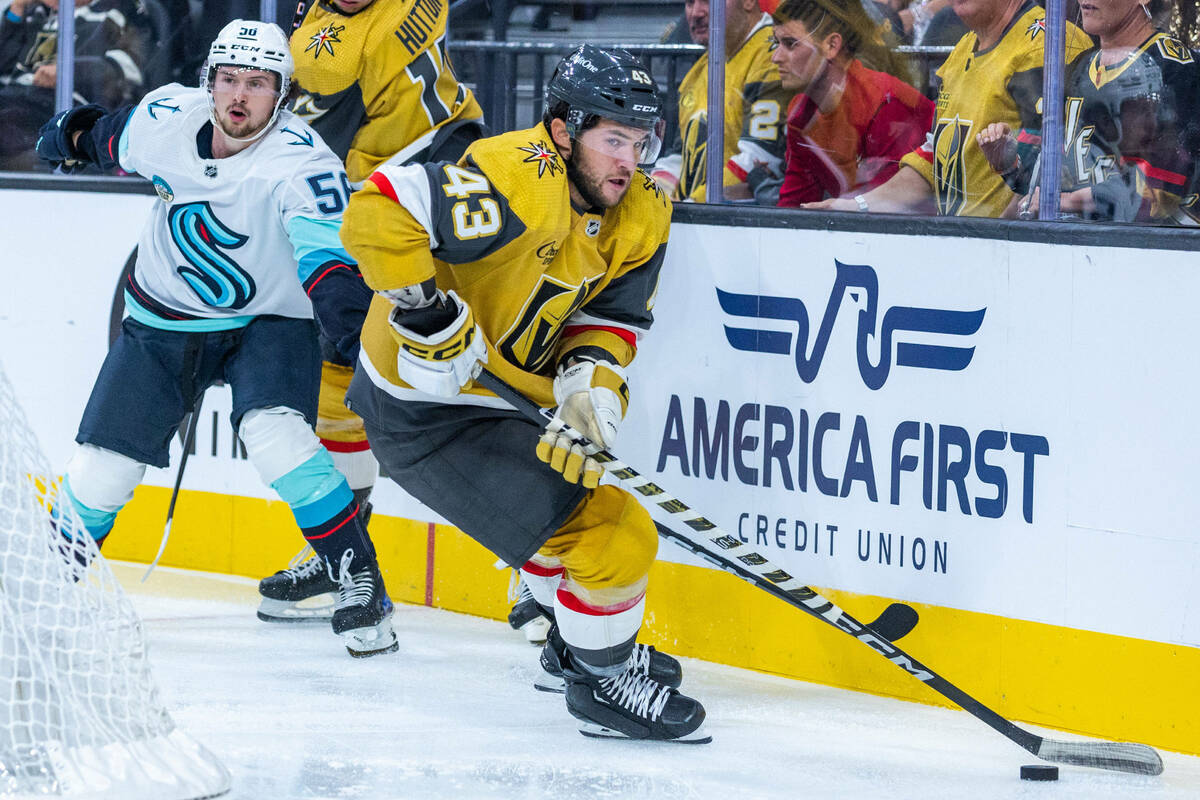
[[406, 216], [312, 201], [117, 142]]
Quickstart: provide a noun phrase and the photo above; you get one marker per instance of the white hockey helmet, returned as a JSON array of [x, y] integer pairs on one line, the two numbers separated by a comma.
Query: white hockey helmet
[[251, 44]]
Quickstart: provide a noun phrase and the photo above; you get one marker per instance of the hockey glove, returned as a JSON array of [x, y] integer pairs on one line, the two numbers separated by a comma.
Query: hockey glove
[[54, 143], [592, 398], [441, 347]]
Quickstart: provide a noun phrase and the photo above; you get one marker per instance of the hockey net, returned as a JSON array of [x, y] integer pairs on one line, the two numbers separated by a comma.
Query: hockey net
[[80, 715]]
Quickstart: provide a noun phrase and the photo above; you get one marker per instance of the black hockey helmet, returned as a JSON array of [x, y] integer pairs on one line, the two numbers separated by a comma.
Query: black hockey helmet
[[610, 83]]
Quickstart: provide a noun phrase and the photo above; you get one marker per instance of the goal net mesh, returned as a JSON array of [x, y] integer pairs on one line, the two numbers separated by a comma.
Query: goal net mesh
[[80, 714]]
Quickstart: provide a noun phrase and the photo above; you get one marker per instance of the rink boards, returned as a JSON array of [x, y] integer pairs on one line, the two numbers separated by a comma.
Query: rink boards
[[996, 431]]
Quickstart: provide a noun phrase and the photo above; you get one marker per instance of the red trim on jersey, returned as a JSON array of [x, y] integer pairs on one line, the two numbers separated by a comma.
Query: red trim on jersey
[[628, 336], [1025, 137], [384, 185], [345, 447], [573, 603], [110, 152], [1151, 171], [540, 571], [732, 166], [321, 277], [925, 154]]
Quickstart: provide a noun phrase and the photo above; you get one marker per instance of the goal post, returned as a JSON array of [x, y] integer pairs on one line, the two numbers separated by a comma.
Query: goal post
[[80, 713]]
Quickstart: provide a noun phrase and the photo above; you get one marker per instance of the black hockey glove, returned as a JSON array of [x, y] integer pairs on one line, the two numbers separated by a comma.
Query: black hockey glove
[[54, 139]]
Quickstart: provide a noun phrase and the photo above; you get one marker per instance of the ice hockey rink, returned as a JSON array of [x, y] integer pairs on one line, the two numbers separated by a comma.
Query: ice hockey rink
[[454, 715]]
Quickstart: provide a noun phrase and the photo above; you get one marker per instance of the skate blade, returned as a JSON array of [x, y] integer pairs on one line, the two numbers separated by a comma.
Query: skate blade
[[374, 641], [536, 631], [594, 731], [270, 610], [546, 682]]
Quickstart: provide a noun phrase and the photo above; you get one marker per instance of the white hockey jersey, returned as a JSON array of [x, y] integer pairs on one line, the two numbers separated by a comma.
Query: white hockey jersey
[[232, 237]]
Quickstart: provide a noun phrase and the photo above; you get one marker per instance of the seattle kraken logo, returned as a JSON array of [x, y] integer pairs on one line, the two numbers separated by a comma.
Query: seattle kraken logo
[[862, 285], [216, 278]]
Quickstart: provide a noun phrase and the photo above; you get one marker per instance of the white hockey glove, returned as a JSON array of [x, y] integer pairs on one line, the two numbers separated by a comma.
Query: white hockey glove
[[592, 398], [441, 347]]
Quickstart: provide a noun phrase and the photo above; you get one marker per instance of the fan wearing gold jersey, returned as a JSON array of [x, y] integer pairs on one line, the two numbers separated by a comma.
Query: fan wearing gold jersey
[[993, 75], [378, 88], [755, 106], [538, 253]]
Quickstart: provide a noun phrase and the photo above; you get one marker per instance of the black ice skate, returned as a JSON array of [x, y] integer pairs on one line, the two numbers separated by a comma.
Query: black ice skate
[[632, 706], [303, 592], [527, 616], [645, 660], [363, 613]]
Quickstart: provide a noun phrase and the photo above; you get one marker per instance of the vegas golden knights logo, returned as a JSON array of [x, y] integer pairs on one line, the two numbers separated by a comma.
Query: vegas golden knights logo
[[695, 146], [1174, 50], [530, 342], [950, 137]]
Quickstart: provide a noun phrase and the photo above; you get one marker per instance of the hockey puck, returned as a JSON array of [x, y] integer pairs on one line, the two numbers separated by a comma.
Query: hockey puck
[[1039, 772]]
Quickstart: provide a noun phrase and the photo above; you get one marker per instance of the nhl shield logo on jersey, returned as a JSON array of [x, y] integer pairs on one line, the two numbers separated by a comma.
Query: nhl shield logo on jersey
[[210, 170], [592, 228], [545, 157], [163, 189], [324, 40]]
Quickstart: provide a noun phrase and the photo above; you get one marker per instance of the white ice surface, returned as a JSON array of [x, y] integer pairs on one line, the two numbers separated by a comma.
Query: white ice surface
[[454, 715]]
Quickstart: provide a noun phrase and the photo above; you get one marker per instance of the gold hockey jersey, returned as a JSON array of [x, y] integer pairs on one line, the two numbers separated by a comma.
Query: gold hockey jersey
[[755, 111], [395, 52], [498, 228], [979, 87]]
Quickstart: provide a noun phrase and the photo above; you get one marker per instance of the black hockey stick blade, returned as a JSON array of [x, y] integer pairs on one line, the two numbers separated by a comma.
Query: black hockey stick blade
[[896, 622], [1118, 756], [189, 441]]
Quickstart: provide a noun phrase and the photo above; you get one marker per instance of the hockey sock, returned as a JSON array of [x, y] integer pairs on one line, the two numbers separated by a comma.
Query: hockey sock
[[543, 582], [98, 523], [326, 511], [600, 638], [356, 461]]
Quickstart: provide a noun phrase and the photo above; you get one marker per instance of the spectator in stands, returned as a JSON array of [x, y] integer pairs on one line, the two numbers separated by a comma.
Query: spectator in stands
[[755, 102], [1132, 140], [108, 57], [993, 74], [848, 126]]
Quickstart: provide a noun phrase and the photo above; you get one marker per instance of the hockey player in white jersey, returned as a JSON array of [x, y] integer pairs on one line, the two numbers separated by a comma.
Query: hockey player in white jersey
[[231, 264]]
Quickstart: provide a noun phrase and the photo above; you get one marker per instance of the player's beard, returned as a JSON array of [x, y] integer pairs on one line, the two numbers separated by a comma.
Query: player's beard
[[587, 184], [241, 130]]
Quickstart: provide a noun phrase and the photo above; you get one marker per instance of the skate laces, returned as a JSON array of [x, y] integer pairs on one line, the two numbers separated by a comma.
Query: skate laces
[[640, 660], [353, 589], [303, 565], [638, 693]]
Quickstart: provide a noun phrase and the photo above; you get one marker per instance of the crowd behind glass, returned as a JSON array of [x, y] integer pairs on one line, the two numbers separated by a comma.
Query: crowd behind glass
[[928, 107]]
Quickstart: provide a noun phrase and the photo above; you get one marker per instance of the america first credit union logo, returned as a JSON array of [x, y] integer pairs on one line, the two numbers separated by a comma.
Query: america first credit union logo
[[861, 284]]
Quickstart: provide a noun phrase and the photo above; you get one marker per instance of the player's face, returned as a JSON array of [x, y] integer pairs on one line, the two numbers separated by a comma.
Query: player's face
[[796, 55], [1104, 18], [603, 162], [244, 99]]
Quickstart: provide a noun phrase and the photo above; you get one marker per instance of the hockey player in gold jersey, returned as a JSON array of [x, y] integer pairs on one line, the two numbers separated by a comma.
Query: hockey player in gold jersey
[[994, 74], [537, 253], [391, 57], [755, 106], [378, 87]]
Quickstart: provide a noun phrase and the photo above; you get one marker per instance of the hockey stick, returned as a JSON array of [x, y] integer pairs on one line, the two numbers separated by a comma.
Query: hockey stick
[[733, 555], [188, 441]]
